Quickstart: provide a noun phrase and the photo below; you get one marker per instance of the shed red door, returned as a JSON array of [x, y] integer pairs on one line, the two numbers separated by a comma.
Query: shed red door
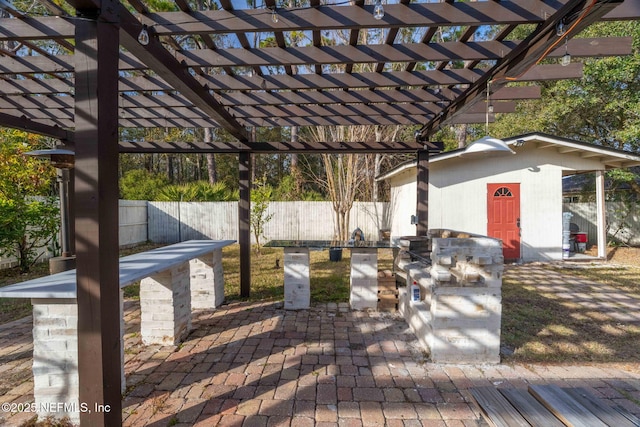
[[503, 217]]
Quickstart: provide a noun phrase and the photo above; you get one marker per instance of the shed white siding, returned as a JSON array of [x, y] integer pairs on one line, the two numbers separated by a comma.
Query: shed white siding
[[458, 193], [403, 203]]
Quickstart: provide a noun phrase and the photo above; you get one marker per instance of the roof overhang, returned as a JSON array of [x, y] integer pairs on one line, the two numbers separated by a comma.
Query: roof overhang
[[609, 157]]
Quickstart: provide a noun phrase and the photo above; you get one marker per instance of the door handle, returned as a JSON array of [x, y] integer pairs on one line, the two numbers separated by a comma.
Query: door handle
[[518, 222]]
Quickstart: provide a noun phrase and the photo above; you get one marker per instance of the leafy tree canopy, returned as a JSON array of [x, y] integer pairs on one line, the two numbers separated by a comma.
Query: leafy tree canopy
[[27, 222], [602, 108]]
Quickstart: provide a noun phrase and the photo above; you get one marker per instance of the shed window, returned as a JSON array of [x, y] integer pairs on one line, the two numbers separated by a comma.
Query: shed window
[[503, 192]]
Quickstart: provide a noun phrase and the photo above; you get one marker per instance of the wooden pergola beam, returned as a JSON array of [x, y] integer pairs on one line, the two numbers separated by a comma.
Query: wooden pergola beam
[[156, 57], [357, 120], [96, 198], [21, 103], [407, 52], [224, 83], [354, 17], [339, 55], [23, 123], [158, 112], [269, 147], [525, 56], [316, 19]]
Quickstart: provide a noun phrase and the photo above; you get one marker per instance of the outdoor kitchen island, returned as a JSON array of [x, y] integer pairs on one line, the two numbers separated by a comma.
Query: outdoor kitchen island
[[364, 270]]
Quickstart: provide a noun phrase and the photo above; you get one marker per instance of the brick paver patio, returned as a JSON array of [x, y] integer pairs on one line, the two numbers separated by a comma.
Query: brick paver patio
[[255, 364]]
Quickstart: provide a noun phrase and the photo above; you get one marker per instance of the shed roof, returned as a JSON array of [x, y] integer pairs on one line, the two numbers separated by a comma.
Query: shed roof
[[609, 157]]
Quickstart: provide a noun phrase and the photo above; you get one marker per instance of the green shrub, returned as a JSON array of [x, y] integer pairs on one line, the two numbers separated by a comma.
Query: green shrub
[[140, 184], [200, 191]]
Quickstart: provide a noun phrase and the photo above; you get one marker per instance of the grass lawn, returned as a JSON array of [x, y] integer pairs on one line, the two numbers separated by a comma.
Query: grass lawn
[[329, 280], [539, 325]]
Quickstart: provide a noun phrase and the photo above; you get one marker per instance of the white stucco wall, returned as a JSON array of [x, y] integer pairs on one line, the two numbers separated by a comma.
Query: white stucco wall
[[403, 203], [458, 195]]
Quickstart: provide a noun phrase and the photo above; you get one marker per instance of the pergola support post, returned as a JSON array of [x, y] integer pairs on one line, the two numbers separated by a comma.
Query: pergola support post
[[244, 222], [96, 225], [601, 215], [422, 205]]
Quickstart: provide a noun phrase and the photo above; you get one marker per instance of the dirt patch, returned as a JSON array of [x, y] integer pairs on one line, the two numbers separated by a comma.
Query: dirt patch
[[619, 255]]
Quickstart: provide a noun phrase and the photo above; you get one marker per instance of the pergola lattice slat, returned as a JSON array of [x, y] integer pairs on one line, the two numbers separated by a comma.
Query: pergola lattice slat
[[340, 55], [425, 109], [21, 103], [300, 82], [236, 68], [317, 19]]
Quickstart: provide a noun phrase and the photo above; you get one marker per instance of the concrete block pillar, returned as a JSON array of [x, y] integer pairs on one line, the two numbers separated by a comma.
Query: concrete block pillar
[[297, 288], [165, 306], [55, 358], [207, 281], [364, 278]]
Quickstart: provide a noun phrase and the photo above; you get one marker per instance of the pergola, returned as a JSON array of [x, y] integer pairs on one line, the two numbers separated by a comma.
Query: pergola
[[82, 71]]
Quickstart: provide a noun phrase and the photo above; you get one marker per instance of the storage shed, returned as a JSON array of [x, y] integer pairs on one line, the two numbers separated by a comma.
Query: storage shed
[[514, 194]]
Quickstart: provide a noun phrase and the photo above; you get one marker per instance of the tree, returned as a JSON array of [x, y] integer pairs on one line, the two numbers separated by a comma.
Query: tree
[[260, 197], [27, 225], [603, 107], [29, 217], [344, 174]]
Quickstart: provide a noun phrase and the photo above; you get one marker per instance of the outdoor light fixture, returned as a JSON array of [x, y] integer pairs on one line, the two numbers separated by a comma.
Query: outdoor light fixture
[[519, 143], [487, 145], [63, 160], [274, 16], [561, 29], [378, 10], [143, 37], [59, 157], [566, 58], [489, 108]]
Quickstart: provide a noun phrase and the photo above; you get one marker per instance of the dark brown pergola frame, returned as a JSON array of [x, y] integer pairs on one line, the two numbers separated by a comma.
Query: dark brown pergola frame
[[96, 77]]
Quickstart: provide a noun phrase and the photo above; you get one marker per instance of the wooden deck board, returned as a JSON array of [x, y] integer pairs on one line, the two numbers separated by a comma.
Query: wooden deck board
[[532, 410], [607, 414], [549, 406], [497, 409], [564, 407]]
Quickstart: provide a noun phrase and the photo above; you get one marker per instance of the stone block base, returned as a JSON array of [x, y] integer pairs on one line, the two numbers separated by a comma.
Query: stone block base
[[55, 357], [459, 315], [297, 287], [364, 279], [165, 306], [207, 281]]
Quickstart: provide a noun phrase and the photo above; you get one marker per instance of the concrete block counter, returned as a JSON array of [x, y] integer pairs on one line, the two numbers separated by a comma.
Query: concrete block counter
[[363, 277], [174, 280]]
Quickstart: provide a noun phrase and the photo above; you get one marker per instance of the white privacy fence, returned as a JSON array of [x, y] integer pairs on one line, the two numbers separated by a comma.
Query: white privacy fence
[[623, 221], [169, 222], [132, 215], [133, 229], [176, 221]]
